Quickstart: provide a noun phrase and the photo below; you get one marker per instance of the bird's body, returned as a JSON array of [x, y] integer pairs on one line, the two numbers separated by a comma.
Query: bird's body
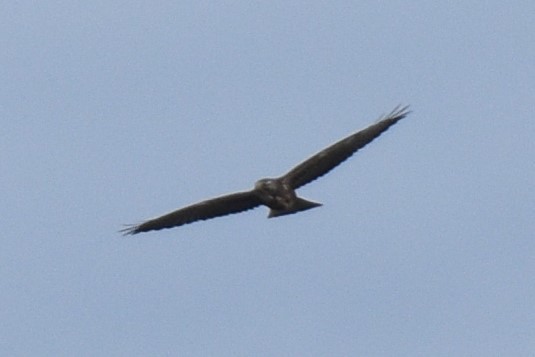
[[280, 197], [276, 193]]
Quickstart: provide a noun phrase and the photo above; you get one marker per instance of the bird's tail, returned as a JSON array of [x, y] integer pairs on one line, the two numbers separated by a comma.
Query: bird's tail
[[299, 205]]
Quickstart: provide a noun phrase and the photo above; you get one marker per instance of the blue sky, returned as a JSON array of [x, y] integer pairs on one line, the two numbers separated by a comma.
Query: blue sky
[[113, 112]]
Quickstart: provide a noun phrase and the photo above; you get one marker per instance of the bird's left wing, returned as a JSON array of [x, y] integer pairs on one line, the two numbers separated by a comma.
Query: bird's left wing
[[327, 159], [215, 207]]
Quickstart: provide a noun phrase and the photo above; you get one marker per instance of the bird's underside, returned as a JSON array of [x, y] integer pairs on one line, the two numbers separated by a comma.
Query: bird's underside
[[278, 194]]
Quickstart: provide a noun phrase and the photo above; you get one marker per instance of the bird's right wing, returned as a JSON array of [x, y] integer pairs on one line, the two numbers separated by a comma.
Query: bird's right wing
[[327, 159], [215, 207]]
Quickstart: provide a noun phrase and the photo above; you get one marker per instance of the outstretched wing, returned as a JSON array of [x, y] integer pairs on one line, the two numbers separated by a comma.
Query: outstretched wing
[[215, 207], [327, 159]]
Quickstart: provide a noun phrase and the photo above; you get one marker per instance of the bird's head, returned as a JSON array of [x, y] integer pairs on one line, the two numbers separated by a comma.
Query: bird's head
[[267, 185]]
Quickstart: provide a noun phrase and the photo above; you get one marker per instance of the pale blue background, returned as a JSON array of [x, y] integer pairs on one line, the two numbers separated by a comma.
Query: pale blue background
[[116, 111]]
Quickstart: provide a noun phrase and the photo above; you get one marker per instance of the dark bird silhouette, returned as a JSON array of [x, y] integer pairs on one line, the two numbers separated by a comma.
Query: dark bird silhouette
[[276, 193]]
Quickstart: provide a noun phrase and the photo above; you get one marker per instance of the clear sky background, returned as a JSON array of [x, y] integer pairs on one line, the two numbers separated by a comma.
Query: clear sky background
[[113, 112]]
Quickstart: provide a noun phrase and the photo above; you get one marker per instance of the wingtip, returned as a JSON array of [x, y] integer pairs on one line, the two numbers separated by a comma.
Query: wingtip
[[130, 229], [400, 111]]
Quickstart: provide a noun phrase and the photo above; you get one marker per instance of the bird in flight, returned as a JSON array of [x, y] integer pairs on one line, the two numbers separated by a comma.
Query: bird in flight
[[278, 194]]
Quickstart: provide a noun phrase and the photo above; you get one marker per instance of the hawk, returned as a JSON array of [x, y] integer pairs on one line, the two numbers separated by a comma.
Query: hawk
[[278, 194]]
